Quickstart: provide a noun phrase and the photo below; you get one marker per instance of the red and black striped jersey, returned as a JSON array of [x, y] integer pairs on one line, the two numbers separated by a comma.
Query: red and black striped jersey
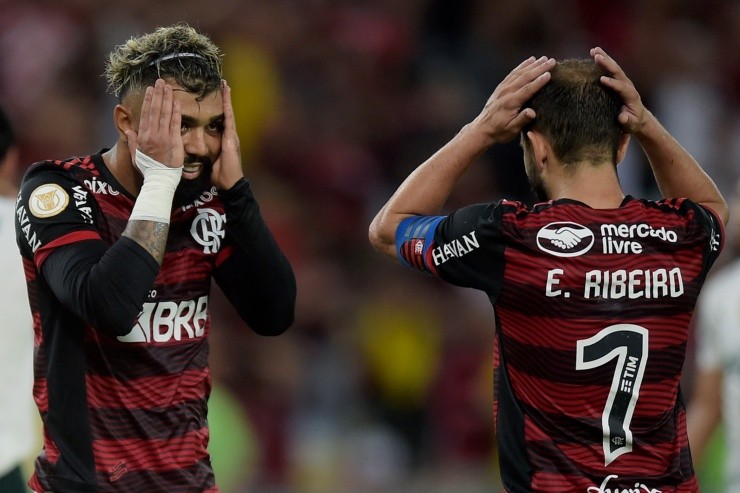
[[121, 412], [592, 312]]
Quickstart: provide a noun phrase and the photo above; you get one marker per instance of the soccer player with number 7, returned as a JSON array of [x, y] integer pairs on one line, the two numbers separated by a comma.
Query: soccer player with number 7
[[593, 290]]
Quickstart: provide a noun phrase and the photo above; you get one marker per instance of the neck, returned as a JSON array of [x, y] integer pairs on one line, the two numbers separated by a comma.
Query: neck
[[119, 162], [596, 186]]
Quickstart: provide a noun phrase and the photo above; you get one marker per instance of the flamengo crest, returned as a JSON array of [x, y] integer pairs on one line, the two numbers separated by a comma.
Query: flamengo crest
[[208, 229]]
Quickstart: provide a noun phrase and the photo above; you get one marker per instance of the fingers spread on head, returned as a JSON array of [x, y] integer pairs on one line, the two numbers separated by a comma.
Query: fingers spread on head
[[531, 87], [608, 63], [522, 118], [521, 69]]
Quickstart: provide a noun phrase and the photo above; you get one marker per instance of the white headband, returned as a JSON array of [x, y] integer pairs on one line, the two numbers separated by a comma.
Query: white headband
[[172, 56]]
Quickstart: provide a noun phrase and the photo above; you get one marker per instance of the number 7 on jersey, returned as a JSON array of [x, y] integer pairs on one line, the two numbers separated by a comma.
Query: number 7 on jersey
[[627, 343]]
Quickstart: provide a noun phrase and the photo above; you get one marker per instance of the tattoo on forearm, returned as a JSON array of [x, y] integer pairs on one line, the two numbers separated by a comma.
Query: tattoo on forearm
[[149, 234]]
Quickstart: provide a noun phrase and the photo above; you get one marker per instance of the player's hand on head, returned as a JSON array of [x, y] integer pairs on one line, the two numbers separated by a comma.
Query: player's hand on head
[[159, 135], [632, 116], [503, 117], [227, 169]]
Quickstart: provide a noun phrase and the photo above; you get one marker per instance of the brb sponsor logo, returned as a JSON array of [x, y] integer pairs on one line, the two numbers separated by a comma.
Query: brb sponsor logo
[[625, 238], [166, 321], [605, 488], [565, 239]]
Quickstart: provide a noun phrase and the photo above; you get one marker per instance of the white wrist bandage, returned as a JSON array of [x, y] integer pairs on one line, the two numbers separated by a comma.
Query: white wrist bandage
[[154, 202]]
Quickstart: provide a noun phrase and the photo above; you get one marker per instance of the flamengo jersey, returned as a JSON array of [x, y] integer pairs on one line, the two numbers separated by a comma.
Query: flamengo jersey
[[133, 404], [592, 314]]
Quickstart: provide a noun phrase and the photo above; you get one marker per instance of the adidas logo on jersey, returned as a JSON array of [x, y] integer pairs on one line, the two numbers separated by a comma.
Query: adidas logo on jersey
[[165, 321]]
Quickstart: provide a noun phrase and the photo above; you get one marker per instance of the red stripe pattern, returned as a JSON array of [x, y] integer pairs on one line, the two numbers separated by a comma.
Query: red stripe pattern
[[146, 393], [592, 311]]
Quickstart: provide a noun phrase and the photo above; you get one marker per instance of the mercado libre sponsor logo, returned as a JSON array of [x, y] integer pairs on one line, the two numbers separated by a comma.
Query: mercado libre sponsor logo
[[626, 238], [565, 239], [605, 488]]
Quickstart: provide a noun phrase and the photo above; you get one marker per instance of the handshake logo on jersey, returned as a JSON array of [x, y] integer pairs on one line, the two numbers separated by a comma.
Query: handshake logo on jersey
[[165, 321], [567, 239]]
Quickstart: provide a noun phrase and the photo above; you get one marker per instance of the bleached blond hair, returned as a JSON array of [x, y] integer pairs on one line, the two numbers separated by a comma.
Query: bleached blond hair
[[177, 52]]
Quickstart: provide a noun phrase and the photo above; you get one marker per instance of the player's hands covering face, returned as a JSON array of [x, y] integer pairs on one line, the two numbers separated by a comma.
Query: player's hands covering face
[[227, 169], [159, 127]]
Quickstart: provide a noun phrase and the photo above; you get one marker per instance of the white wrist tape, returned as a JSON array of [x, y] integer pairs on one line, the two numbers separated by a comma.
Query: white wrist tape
[[154, 202]]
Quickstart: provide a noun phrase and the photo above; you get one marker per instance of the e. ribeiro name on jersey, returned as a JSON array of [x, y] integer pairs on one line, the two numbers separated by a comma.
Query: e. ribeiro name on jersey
[[570, 239]]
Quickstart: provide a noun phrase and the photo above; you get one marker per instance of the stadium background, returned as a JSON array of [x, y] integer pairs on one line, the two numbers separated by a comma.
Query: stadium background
[[384, 383]]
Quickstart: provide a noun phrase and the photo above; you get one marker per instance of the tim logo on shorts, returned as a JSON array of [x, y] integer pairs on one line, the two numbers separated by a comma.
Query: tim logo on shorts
[[565, 239]]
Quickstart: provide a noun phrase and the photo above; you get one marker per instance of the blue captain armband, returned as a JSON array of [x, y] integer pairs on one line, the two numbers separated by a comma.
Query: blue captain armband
[[415, 241]]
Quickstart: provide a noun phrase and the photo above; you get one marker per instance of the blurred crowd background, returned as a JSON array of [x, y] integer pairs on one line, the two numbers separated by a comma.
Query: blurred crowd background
[[384, 382]]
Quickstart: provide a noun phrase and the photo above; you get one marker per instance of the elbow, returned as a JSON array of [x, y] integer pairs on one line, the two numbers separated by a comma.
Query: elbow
[[718, 205], [382, 234], [278, 315], [112, 315], [117, 324], [372, 235], [723, 212], [275, 324], [375, 233]]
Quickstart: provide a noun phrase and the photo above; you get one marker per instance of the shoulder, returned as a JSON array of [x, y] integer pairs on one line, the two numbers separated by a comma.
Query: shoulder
[[75, 169], [688, 218], [49, 182], [55, 192], [683, 208]]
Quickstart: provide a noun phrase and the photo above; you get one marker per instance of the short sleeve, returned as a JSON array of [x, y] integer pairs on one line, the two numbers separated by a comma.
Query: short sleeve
[[52, 210], [465, 248], [715, 232]]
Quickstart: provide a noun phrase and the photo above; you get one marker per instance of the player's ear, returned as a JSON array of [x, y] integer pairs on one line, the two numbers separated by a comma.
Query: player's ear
[[624, 141], [540, 146], [124, 120]]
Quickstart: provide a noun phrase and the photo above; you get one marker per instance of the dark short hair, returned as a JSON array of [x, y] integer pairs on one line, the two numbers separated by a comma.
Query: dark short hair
[[7, 137], [577, 113]]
